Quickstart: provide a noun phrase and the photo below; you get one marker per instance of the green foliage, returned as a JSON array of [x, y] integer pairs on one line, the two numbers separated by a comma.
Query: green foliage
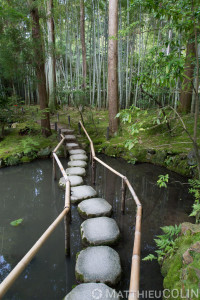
[[30, 146], [165, 243], [195, 191], [16, 222], [163, 180]]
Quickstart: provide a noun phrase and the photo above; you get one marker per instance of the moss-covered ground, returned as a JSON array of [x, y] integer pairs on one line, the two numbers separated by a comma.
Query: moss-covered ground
[[179, 275], [156, 145]]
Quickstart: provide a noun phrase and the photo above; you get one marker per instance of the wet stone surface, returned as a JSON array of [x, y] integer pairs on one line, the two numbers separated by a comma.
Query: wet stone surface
[[77, 163], [78, 157], [81, 193], [77, 151], [98, 264], [91, 291], [99, 231], [76, 171], [74, 181], [95, 207]]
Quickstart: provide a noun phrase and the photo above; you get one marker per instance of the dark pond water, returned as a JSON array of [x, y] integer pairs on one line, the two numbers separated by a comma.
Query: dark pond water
[[29, 192]]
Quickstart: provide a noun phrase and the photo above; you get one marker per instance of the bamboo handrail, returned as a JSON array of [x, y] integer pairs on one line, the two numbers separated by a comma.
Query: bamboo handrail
[[135, 266], [14, 274]]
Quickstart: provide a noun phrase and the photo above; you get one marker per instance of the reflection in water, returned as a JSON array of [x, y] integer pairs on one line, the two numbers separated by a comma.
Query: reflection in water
[[5, 268], [29, 192]]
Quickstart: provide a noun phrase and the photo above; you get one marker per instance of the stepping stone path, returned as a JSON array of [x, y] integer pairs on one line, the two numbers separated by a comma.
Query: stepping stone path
[[74, 181], [78, 157], [98, 265], [99, 231], [91, 291], [77, 163], [76, 171], [82, 192], [95, 207]]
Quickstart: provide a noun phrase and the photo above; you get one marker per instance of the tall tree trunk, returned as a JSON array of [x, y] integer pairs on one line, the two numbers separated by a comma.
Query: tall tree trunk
[[187, 84], [112, 66], [51, 56], [40, 71], [82, 23]]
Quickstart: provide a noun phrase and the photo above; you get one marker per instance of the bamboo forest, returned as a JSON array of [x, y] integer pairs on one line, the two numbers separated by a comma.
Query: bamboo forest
[[99, 149]]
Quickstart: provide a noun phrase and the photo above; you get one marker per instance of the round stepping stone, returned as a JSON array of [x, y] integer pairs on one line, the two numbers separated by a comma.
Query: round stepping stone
[[92, 291], [78, 157], [76, 171], [71, 145], [95, 207], [77, 163], [74, 181], [98, 264], [70, 137], [81, 193], [77, 151], [99, 231]]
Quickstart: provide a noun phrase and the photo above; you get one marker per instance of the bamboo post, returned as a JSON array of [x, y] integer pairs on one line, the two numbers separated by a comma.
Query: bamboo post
[[123, 196], [54, 168], [59, 133], [79, 128], [93, 171], [69, 121], [67, 219], [55, 124]]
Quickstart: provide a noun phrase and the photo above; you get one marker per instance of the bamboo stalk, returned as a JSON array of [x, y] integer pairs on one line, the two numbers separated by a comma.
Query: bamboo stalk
[[91, 143], [67, 219], [54, 168], [58, 146], [123, 196], [135, 267], [60, 166], [14, 274], [110, 168]]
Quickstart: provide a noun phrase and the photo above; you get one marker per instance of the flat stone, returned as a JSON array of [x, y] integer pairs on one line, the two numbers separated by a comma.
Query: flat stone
[[92, 291], [95, 207], [81, 193], [77, 151], [78, 157], [67, 131], [189, 227], [71, 145], [98, 264], [99, 231], [76, 171], [70, 137], [77, 163], [74, 181]]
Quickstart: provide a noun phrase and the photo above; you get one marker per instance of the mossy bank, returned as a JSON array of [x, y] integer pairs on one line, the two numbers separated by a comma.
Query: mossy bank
[[182, 271], [17, 148]]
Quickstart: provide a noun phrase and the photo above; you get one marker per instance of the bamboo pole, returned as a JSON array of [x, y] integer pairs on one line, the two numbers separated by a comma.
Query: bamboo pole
[[14, 274], [67, 219], [60, 166], [110, 168], [123, 196], [54, 168], [135, 267], [58, 146], [91, 143]]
